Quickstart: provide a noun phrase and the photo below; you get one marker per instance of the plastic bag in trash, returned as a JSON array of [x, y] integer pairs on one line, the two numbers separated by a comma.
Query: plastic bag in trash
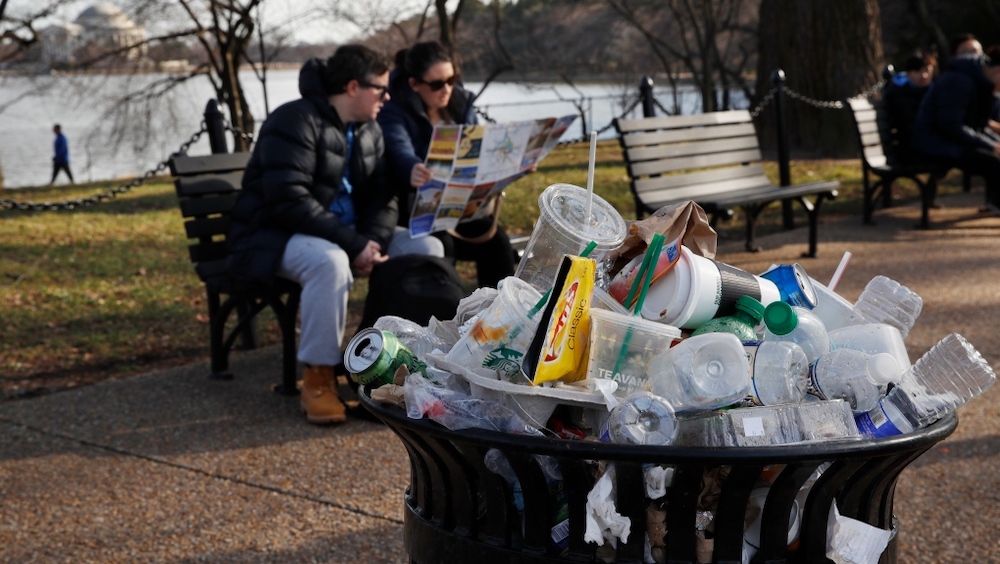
[[457, 410]]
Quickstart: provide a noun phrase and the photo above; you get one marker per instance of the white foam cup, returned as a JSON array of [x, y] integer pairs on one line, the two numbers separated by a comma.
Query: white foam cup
[[697, 289]]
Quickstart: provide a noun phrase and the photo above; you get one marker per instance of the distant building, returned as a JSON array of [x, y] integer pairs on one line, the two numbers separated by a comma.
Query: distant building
[[99, 29]]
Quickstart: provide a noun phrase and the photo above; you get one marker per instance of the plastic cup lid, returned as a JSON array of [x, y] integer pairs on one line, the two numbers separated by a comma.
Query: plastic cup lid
[[565, 206]]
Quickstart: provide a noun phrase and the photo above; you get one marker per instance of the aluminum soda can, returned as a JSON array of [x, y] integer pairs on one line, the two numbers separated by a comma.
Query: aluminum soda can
[[373, 356]]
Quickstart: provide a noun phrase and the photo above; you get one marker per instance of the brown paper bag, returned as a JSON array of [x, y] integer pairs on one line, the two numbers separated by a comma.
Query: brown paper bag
[[685, 221]]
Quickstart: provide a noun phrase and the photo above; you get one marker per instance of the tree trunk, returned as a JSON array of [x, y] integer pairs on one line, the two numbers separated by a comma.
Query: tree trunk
[[829, 51]]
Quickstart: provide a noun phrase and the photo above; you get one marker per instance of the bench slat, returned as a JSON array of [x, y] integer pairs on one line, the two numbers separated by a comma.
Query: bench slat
[[208, 205], [679, 150], [705, 192], [207, 164], [703, 161], [688, 134], [206, 227], [203, 185], [202, 252], [673, 122], [700, 177]]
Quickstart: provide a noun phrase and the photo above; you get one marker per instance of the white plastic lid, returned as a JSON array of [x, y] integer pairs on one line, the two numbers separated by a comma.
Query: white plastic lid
[[565, 205], [883, 368]]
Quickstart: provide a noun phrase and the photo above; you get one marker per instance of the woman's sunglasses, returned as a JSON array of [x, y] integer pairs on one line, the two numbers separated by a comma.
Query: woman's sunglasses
[[436, 85]]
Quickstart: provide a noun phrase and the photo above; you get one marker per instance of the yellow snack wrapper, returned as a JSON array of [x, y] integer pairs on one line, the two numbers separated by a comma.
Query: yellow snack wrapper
[[559, 348]]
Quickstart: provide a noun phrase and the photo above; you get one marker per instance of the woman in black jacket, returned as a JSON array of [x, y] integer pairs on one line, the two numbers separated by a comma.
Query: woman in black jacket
[[426, 92], [315, 208]]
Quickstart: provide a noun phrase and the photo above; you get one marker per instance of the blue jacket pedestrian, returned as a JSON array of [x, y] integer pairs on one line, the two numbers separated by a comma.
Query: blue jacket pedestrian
[[60, 160]]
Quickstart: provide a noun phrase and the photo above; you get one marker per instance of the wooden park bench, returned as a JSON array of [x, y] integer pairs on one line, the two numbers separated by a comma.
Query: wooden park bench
[[713, 159], [206, 189], [875, 141]]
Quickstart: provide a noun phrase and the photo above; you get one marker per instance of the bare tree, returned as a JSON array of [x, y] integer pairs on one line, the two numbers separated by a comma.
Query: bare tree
[[829, 51], [699, 37]]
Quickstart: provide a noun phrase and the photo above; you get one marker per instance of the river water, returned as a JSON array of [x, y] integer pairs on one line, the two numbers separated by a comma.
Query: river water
[[29, 106]]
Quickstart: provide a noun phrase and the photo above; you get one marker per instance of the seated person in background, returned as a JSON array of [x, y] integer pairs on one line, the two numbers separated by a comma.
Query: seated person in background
[[965, 44], [902, 100], [994, 123], [952, 124], [426, 91], [315, 208]]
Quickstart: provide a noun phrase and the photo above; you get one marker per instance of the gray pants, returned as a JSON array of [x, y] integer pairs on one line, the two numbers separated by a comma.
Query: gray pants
[[324, 271]]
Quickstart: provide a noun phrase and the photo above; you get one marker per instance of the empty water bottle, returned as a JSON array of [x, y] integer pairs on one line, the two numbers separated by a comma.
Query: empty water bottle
[[779, 372], [702, 372], [886, 301], [945, 377], [858, 378], [798, 325], [641, 418], [742, 323]]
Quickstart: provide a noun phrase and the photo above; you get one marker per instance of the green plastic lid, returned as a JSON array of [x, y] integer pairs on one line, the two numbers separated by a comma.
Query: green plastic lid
[[780, 318], [750, 306]]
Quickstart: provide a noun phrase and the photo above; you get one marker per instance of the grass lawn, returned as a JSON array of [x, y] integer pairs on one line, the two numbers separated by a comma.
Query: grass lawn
[[107, 291]]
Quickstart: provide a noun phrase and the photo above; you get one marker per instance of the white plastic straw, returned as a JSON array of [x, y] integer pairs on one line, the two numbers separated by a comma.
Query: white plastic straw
[[590, 173], [840, 270]]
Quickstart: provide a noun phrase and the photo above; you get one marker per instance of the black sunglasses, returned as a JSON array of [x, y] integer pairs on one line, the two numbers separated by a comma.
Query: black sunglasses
[[382, 90], [436, 85]]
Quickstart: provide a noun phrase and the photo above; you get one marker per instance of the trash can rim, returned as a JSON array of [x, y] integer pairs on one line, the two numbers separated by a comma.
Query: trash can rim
[[831, 450]]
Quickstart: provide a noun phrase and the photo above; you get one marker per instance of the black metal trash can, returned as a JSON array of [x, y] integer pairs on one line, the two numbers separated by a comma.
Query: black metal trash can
[[457, 510]]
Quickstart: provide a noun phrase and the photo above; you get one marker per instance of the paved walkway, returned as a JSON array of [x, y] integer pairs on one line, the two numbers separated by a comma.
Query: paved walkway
[[172, 467]]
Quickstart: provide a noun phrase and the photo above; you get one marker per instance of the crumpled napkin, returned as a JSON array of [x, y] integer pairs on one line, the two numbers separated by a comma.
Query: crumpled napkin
[[603, 520], [849, 541]]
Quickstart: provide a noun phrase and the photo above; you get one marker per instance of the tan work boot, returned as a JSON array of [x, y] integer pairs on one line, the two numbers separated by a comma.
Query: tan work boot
[[319, 396]]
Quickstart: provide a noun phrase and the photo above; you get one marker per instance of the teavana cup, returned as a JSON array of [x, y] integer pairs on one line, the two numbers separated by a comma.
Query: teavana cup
[[622, 345], [697, 289], [563, 229], [500, 337]]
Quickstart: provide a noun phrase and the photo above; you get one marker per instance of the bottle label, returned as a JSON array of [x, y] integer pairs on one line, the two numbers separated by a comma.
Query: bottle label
[[752, 398], [814, 387], [876, 424]]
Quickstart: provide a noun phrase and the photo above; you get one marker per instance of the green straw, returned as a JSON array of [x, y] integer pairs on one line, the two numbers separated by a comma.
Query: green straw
[[645, 275], [646, 259], [650, 271], [538, 306]]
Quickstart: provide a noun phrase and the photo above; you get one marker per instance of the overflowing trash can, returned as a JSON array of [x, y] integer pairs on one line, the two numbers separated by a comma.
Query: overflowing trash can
[[459, 510], [625, 397]]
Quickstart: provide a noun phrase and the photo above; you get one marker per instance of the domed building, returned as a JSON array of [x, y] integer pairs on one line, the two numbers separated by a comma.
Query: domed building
[[99, 29]]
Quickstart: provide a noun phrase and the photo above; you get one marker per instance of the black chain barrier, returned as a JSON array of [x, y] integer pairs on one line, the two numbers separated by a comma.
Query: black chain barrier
[[113, 193], [822, 104]]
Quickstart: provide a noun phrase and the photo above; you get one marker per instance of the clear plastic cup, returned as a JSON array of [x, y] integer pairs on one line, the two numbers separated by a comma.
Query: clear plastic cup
[[500, 338], [622, 346], [563, 229]]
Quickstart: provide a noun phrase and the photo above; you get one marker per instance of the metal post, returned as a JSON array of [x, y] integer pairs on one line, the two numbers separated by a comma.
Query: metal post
[[646, 95], [778, 80], [215, 123]]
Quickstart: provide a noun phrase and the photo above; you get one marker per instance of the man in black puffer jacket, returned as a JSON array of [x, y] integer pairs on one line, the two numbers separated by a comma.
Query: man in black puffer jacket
[[952, 122], [315, 208]]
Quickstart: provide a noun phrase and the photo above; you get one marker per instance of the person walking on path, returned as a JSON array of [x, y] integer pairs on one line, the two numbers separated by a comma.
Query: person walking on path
[[315, 208], [60, 161], [426, 91]]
